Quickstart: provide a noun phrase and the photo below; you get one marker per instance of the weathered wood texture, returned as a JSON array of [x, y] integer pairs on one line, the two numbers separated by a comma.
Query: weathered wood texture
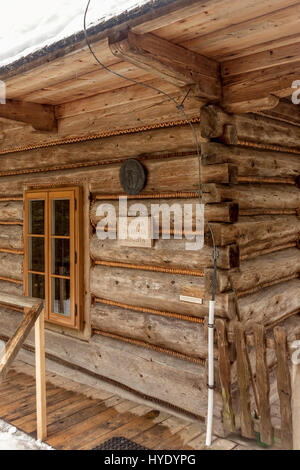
[[177, 382], [168, 253], [284, 388], [249, 231], [261, 271], [270, 304], [252, 162], [248, 127], [184, 337], [225, 376], [11, 210], [11, 266], [171, 139], [155, 289], [11, 237], [243, 375], [263, 386]]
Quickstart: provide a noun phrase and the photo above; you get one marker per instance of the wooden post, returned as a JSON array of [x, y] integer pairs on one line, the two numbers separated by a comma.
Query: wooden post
[[296, 406], [263, 386], [40, 377], [243, 376], [284, 388], [224, 370]]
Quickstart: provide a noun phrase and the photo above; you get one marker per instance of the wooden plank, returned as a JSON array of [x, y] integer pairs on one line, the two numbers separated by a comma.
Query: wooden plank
[[40, 116], [263, 385], [40, 377], [21, 301], [173, 63], [262, 60], [243, 377], [15, 343], [284, 387], [225, 376]]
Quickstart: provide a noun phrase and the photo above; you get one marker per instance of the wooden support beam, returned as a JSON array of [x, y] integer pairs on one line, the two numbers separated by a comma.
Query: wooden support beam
[[40, 116], [284, 387], [225, 378], [263, 386], [172, 63], [243, 375], [40, 377]]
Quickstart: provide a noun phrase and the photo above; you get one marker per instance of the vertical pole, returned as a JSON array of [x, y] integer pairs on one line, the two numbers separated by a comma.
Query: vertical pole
[[284, 388], [296, 405], [40, 377]]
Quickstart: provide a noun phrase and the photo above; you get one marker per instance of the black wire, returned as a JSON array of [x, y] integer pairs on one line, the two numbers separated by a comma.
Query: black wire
[[180, 108]]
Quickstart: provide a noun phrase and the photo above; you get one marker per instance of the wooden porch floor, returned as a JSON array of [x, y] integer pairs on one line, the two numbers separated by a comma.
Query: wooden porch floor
[[81, 420]]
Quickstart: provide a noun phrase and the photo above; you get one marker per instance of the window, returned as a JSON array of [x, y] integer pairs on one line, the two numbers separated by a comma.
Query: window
[[52, 253]]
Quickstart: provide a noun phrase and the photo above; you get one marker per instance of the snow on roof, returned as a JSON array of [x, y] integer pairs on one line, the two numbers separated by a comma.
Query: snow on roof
[[26, 27]]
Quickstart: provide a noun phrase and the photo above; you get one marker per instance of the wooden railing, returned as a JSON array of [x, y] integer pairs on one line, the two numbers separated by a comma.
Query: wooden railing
[[246, 397], [34, 316]]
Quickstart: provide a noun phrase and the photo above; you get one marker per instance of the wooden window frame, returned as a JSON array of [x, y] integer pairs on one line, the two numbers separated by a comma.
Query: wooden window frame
[[74, 194]]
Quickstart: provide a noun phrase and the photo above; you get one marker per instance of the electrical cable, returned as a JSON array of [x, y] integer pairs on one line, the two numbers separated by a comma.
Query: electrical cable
[[180, 107]]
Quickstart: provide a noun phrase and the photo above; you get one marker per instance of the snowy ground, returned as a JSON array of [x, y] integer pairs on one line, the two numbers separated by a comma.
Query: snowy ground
[[26, 26], [13, 439]]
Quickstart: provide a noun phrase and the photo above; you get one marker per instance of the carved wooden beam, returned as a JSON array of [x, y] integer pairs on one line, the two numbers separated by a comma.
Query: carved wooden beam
[[40, 116], [253, 106], [172, 63]]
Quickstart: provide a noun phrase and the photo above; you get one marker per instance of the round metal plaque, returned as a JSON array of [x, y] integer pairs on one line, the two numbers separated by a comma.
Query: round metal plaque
[[132, 176]]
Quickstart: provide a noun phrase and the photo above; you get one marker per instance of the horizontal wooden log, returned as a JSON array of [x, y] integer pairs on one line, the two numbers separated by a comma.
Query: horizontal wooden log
[[152, 329], [248, 127], [163, 176], [11, 288], [226, 212], [11, 237], [258, 273], [11, 210], [156, 289], [168, 253], [173, 139], [151, 112], [254, 250], [270, 304], [251, 162], [177, 382], [11, 266], [285, 111], [40, 116], [267, 196], [251, 230]]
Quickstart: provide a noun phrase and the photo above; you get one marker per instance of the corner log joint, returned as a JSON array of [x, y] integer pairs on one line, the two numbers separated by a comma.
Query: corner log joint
[[40, 116], [171, 62]]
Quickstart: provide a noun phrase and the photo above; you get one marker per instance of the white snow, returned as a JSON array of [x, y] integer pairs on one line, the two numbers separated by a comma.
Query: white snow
[[26, 26], [13, 439]]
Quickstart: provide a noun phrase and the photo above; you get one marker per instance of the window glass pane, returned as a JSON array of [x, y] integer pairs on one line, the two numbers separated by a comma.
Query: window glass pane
[[61, 256], [61, 217], [61, 296], [36, 254], [36, 217], [36, 286]]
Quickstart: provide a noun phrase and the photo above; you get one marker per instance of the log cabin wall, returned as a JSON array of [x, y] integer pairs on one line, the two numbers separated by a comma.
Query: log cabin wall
[[140, 336], [137, 333], [266, 153]]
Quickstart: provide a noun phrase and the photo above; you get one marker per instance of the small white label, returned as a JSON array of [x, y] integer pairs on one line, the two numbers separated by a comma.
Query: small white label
[[192, 300]]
